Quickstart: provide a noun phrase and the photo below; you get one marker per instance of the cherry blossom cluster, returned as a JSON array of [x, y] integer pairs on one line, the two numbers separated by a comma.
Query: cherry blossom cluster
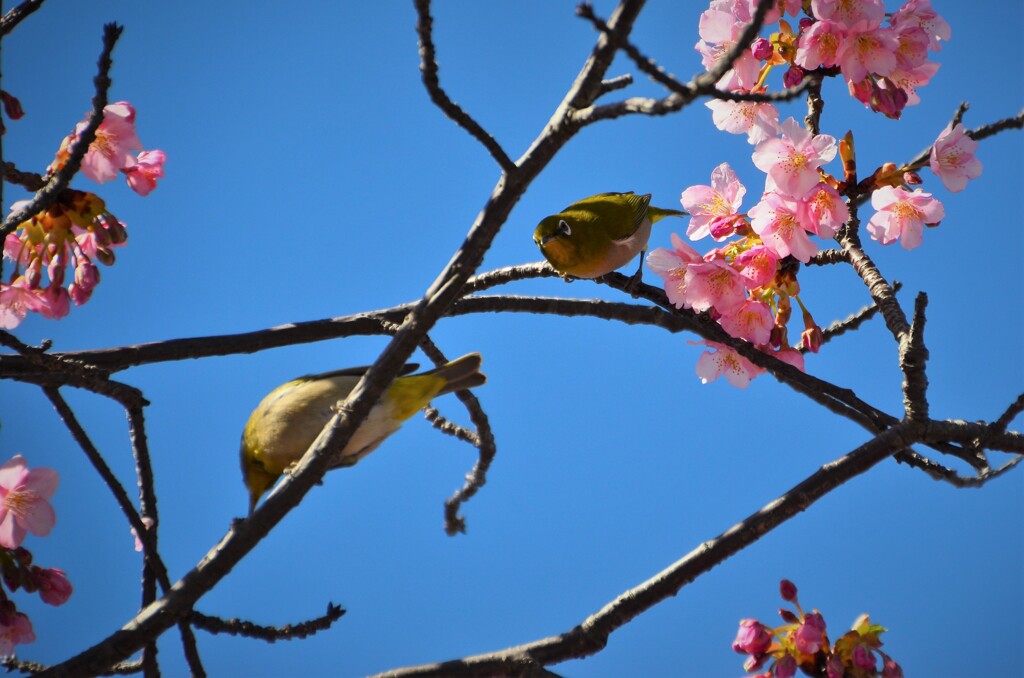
[[749, 284], [24, 508], [113, 151], [883, 62], [77, 230], [802, 643]]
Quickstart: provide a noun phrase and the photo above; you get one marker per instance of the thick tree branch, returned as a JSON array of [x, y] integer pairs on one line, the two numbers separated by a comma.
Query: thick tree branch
[[591, 635], [16, 15]]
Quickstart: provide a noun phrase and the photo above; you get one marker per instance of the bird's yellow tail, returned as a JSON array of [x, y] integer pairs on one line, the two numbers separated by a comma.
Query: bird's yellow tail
[[412, 393], [657, 213]]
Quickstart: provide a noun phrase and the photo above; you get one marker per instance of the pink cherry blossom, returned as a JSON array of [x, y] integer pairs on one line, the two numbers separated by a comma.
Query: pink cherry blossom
[[671, 265], [54, 302], [758, 120], [115, 143], [752, 321], [714, 284], [16, 300], [757, 265], [143, 174], [753, 637], [823, 211], [719, 31], [901, 215], [15, 248], [792, 160], [952, 158], [16, 630], [920, 13], [737, 370], [912, 49], [819, 45], [53, 585], [810, 635], [24, 501], [715, 203], [867, 49], [777, 220], [847, 13]]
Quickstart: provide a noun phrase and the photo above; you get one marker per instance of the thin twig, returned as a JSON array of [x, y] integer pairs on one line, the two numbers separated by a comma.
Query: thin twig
[[270, 634], [850, 322], [454, 523], [429, 69], [1010, 414], [154, 562], [59, 180]]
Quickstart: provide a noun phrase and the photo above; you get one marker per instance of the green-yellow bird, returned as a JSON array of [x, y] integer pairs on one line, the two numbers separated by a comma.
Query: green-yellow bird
[[599, 234], [289, 418]]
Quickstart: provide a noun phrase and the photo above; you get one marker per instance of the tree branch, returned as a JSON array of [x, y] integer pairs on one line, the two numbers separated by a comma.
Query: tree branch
[[592, 634], [429, 69]]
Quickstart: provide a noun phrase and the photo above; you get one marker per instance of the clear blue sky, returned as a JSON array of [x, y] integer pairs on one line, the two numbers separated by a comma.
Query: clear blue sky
[[309, 176]]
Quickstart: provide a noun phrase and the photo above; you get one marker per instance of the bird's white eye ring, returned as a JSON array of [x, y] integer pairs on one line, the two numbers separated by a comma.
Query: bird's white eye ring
[[563, 227]]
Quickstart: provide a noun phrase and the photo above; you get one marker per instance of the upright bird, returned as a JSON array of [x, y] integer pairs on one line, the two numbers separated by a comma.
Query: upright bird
[[599, 234], [289, 418]]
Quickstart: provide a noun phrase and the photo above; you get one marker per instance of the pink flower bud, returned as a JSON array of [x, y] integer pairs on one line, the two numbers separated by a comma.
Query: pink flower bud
[[793, 76], [863, 658], [762, 49], [752, 638], [785, 667], [105, 256], [788, 616], [87, 276], [115, 229], [722, 227], [812, 339], [755, 662], [12, 107], [834, 667], [889, 101], [912, 179], [54, 587], [34, 273], [787, 590], [805, 23], [890, 669]]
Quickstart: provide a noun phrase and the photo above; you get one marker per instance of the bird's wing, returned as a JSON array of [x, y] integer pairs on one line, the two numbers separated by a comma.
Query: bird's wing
[[631, 213], [354, 372]]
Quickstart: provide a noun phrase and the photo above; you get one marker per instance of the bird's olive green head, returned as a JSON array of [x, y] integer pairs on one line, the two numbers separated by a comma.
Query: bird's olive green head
[[257, 478], [558, 242]]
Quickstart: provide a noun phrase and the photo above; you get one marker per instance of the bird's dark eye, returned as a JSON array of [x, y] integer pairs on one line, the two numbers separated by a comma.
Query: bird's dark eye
[[563, 228]]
